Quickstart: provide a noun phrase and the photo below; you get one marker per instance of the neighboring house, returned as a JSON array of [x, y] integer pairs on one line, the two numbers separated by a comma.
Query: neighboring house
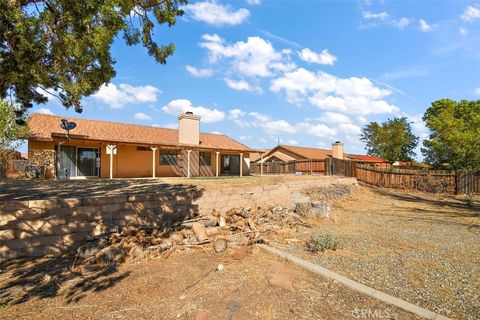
[[110, 149], [284, 153], [289, 153], [371, 160]]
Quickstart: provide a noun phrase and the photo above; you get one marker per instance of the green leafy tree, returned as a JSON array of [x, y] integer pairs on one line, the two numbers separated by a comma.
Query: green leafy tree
[[10, 133], [392, 140], [62, 47], [454, 134]]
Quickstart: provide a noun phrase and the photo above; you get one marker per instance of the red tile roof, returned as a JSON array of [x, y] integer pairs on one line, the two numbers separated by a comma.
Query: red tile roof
[[42, 127]]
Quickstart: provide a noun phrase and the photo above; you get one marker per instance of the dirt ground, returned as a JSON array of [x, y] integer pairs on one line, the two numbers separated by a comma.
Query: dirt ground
[[33, 189], [188, 285], [418, 247]]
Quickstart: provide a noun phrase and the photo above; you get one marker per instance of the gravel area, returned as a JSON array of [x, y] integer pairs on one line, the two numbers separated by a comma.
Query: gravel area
[[421, 248]]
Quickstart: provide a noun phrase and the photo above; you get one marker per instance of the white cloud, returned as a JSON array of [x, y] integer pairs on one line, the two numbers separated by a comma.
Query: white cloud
[[254, 2], [272, 127], [216, 132], [424, 26], [298, 82], [463, 31], [199, 73], [370, 15], [418, 127], [175, 107], [260, 117], [471, 13], [45, 111], [401, 23], [335, 117], [317, 130], [142, 116], [254, 58], [323, 57], [167, 125], [216, 14], [362, 120], [242, 85], [349, 128], [235, 114], [477, 92], [382, 18], [124, 94], [352, 95], [276, 126], [292, 142]]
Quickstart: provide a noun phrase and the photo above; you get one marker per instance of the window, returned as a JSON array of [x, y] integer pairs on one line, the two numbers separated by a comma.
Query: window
[[206, 158], [168, 157]]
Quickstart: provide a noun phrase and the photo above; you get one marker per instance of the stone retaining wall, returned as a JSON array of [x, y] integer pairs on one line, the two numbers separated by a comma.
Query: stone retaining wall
[[40, 227]]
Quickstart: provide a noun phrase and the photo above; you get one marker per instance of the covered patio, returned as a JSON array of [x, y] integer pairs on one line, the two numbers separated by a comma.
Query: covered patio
[[97, 149]]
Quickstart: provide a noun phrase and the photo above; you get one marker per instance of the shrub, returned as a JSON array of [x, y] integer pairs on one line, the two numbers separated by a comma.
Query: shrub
[[326, 240]]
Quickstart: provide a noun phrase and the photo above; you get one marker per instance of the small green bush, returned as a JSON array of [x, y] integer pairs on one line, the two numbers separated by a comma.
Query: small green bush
[[325, 240]]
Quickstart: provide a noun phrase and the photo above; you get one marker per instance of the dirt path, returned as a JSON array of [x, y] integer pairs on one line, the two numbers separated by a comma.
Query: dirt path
[[418, 247], [184, 286]]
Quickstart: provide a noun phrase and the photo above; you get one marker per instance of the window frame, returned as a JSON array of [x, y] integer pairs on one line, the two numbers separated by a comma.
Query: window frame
[[170, 152], [200, 157]]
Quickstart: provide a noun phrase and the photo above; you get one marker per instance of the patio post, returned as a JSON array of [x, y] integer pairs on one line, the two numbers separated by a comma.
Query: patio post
[[216, 162], [111, 149], [154, 151], [188, 163], [241, 164]]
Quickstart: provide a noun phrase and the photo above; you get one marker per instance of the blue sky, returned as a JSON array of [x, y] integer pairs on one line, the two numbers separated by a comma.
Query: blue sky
[[305, 72]]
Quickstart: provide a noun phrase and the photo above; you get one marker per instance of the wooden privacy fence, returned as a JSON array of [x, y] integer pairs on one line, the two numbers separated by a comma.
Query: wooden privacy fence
[[468, 182], [340, 167], [443, 181], [290, 167], [436, 181]]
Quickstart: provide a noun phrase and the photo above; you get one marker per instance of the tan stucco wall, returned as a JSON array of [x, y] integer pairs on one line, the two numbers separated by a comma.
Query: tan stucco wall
[[127, 163]]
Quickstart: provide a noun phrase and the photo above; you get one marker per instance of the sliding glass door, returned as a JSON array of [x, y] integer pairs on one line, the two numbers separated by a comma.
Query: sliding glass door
[[87, 162], [79, 162], [68, 162]]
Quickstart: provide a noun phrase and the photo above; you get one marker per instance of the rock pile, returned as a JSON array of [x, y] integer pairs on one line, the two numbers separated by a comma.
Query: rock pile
[[234, 228]]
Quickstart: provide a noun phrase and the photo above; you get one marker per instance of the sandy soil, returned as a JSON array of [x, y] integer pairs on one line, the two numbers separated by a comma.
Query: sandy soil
[[253, 285], [420, 247]]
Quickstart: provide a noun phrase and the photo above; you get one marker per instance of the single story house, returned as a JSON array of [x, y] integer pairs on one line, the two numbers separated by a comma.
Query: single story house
[[285, 153], [118, 150]]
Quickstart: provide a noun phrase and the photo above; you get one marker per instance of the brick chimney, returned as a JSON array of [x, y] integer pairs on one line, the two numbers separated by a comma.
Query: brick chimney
[[337, 150], [189, 128]]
